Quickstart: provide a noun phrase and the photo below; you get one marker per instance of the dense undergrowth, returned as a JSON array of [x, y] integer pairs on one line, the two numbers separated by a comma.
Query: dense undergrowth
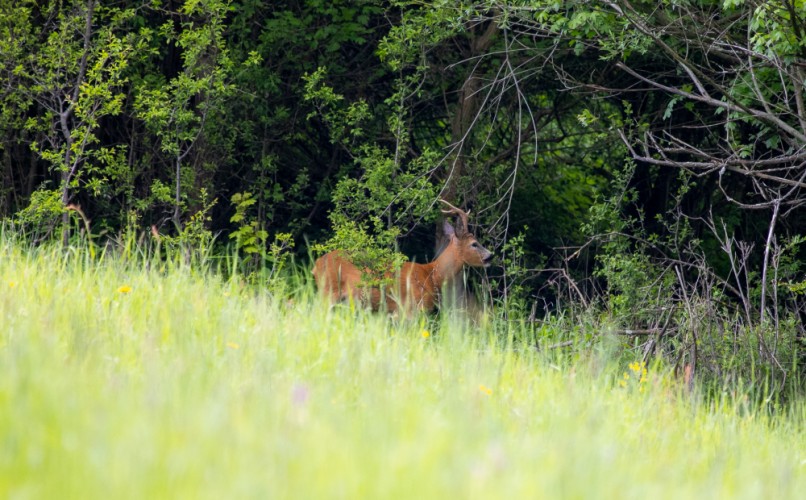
[[123, 376]]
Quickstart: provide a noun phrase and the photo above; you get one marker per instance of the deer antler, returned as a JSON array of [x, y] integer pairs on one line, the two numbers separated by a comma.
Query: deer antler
[[457, 211]]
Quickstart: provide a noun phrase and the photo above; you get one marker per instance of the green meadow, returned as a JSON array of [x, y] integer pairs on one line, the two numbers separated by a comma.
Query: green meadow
[[124, 379]]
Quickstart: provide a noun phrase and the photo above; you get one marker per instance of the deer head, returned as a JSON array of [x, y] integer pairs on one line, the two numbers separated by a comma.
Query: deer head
[[466, 247]]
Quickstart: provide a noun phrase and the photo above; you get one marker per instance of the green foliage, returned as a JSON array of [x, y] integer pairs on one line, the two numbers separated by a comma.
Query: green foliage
[[667, 283], [790, 265], [386, 194], [280, 255], [420, 29], [636, 288], [44, 208], [176, 111], [75, 74], [194, 243], [249, 237], [774, 29], [262, 263], [343, 120], [514, 302]]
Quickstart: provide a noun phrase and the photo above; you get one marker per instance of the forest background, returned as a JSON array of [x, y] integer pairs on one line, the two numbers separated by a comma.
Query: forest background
[[638, 167]]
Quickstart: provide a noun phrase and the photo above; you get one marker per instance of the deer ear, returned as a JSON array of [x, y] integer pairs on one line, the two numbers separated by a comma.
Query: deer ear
[[447, 228]]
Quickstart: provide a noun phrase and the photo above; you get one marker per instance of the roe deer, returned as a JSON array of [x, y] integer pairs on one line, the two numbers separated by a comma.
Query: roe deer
[[418, 285]]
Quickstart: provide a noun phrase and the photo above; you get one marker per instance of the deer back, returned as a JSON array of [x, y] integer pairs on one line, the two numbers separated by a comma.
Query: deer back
[[337, 277]]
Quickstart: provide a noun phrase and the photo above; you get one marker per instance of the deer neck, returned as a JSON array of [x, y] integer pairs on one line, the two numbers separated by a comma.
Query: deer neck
[[446, 266]]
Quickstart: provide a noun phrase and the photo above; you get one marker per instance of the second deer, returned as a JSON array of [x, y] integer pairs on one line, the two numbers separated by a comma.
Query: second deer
[[417, 286]]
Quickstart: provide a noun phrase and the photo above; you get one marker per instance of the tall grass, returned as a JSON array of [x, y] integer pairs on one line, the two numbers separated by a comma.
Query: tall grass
[[125, 380]]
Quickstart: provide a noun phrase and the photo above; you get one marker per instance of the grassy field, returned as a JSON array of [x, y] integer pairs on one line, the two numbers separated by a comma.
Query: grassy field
[[118, 381]]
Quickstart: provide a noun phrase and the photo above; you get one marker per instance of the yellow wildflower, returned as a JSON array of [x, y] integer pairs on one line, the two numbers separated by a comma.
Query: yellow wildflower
[[622, 383], [425, 334], [232, 345], [486, 390], [638, 367], [124, 289], [12, 284]]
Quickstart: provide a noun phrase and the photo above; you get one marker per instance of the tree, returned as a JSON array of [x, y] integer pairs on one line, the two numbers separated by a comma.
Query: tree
[[176, 111], [713, 90], [65, 80]]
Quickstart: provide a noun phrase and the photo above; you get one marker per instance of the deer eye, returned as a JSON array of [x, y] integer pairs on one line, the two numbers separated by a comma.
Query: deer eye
[[474, 245]]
